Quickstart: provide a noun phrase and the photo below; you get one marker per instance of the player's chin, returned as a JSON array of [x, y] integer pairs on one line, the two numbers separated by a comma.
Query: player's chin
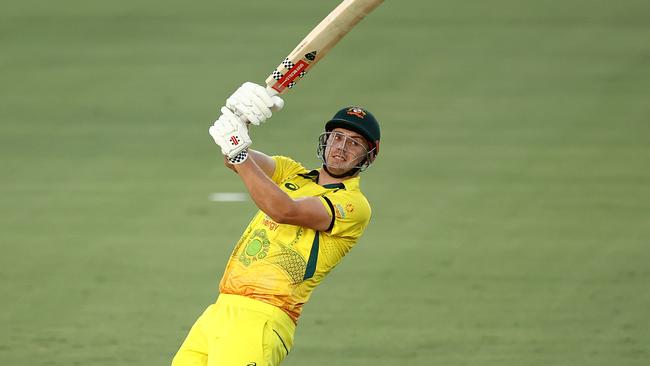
[[339, 168]]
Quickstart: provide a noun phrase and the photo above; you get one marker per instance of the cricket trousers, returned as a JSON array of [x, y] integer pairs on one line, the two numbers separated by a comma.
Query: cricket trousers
[[237, 331]]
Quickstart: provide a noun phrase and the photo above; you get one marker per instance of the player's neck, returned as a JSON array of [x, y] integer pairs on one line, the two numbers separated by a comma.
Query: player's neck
[[325, 178]]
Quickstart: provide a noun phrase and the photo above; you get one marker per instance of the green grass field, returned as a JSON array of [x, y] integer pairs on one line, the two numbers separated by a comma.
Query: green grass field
[[511, 198]]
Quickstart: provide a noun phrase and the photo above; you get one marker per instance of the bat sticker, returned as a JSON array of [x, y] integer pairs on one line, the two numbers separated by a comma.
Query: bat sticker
[[311, 56]]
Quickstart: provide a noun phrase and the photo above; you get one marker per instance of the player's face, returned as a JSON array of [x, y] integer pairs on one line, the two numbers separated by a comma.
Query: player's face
[[345, 150]]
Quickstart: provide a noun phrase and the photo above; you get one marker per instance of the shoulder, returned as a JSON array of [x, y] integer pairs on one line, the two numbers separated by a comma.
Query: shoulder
[[285, 167], [286, 161]]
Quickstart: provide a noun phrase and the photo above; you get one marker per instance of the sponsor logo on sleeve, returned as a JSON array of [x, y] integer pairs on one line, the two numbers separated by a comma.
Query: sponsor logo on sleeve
[[340, 211]]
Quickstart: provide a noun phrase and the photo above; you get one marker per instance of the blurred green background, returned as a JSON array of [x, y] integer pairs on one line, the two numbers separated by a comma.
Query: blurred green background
[[511, 198]]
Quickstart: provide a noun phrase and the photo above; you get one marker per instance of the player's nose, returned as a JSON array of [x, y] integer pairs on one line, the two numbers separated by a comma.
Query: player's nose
[[340, 144]]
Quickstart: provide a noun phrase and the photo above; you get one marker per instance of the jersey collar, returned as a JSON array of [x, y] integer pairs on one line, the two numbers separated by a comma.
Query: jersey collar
[[348, 184]]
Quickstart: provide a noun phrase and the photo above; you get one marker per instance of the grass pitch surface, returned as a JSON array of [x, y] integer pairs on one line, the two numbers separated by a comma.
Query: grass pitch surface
[[511, 198]]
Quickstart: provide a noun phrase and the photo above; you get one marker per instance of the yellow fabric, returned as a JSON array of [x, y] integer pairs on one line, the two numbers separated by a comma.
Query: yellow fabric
[[237, 330], [280, 264]]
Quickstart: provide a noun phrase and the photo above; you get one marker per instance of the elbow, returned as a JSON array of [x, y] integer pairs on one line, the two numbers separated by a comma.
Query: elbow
[[282, 215]]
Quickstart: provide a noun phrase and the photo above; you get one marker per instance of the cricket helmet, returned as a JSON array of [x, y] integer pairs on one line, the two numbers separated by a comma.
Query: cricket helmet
[[355, 119], [361, 121]]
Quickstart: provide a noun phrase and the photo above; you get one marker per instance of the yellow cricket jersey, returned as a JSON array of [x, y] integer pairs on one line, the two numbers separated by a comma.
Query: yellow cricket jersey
[[281, 264]]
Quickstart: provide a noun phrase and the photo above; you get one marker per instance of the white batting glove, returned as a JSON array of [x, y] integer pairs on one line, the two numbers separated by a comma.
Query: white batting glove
[[253, 103], [231, 134]]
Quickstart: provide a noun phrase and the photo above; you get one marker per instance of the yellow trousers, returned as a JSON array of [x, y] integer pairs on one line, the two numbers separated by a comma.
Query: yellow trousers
[[237, 331]]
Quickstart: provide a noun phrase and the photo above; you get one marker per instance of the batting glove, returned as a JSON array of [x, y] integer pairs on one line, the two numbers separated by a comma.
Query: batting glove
[[252, 103], [231, 134]]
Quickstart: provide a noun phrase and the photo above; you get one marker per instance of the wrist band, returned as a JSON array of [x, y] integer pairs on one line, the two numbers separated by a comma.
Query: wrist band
[[239, 158]]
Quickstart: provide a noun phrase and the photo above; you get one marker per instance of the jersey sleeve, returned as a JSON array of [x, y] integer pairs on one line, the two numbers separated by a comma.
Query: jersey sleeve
[[351, 213], [284, 168]]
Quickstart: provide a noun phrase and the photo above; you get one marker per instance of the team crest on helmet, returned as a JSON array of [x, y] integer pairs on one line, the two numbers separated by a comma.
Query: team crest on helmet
[[356, 111]]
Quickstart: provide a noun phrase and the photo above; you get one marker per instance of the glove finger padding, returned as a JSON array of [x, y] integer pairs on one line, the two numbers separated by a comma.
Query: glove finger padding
[[253, 103], [278, 103], [250, 106], [260, 91]]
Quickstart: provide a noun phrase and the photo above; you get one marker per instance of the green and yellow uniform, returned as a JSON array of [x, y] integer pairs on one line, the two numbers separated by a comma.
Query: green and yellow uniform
[[275, 267]]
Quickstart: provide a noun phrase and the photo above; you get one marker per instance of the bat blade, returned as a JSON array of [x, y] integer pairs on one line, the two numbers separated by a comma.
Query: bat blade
[[318, 42]]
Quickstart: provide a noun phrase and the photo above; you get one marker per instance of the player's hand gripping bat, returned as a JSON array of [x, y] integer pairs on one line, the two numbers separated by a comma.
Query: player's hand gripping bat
[[308, 52]]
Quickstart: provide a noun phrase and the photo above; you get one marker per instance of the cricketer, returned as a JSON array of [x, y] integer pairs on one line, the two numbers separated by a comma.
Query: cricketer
[[308, 220]]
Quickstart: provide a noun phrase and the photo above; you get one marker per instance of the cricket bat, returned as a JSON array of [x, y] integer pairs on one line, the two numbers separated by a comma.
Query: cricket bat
[[318, 43]]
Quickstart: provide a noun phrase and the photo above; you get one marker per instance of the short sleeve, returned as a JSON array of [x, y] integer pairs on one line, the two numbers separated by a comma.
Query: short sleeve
[[351, 213], [284, 168]]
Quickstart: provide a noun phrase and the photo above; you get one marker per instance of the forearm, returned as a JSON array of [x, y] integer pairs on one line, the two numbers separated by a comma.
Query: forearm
[[267, 196]]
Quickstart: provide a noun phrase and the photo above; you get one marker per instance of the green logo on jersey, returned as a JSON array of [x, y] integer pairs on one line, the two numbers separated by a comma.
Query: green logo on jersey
[[256, 249], [254, 246]]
